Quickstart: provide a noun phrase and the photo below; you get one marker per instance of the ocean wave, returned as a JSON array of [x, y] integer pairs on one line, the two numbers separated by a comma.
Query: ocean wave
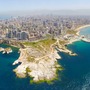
[[86, 85]]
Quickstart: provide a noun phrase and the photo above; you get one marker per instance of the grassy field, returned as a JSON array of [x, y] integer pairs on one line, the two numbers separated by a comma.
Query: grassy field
[[71, 32], [41, 44], [62, 42]]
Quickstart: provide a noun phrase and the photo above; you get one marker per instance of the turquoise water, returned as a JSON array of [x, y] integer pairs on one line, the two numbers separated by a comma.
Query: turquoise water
[[75, 76], [85, 32]]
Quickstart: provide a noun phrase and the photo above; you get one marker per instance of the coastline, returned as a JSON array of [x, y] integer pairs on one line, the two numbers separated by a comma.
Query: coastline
[[78, 33], [43, 68], [81, 27], [6, 50], [78, 37]]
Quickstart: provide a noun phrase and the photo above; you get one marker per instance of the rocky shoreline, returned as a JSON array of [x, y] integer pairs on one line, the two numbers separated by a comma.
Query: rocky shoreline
[[39, 61], [5, 50], [42, 67]]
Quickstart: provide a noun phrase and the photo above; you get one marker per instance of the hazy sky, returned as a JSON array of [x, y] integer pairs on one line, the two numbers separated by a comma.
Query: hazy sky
[[23, 7], [14, 5]]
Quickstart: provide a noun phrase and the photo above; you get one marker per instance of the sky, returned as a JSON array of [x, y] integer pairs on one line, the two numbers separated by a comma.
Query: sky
[[33, 5]]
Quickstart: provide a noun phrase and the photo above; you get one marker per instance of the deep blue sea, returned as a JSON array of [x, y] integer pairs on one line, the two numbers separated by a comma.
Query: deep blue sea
[[4, 17], [75, 76]]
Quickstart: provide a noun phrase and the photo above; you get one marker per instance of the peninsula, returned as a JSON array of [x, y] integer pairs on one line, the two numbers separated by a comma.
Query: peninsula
[[39, 40], [39, 59]]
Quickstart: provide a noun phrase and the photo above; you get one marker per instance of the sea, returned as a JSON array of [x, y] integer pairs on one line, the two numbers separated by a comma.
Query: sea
[[75, 76], [4, 17]]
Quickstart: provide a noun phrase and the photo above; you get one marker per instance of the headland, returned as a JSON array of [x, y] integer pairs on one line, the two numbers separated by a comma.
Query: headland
[[39, 59], [39, 41]]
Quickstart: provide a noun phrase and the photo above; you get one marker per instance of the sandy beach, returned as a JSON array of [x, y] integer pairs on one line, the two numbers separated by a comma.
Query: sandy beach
[[78, 29]]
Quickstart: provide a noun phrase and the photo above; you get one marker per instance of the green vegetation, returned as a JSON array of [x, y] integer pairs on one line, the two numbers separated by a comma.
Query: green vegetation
[[62, 42], [28, 70], [51, 81], [30, 58], [41, 44], [43, 81], [71, 32]]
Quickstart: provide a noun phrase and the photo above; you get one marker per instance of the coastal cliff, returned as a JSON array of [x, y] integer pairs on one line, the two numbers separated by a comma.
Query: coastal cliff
[[39, 60]]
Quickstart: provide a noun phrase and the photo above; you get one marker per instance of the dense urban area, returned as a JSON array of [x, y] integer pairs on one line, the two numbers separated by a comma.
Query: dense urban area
[[39, 39], [32, 28]]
